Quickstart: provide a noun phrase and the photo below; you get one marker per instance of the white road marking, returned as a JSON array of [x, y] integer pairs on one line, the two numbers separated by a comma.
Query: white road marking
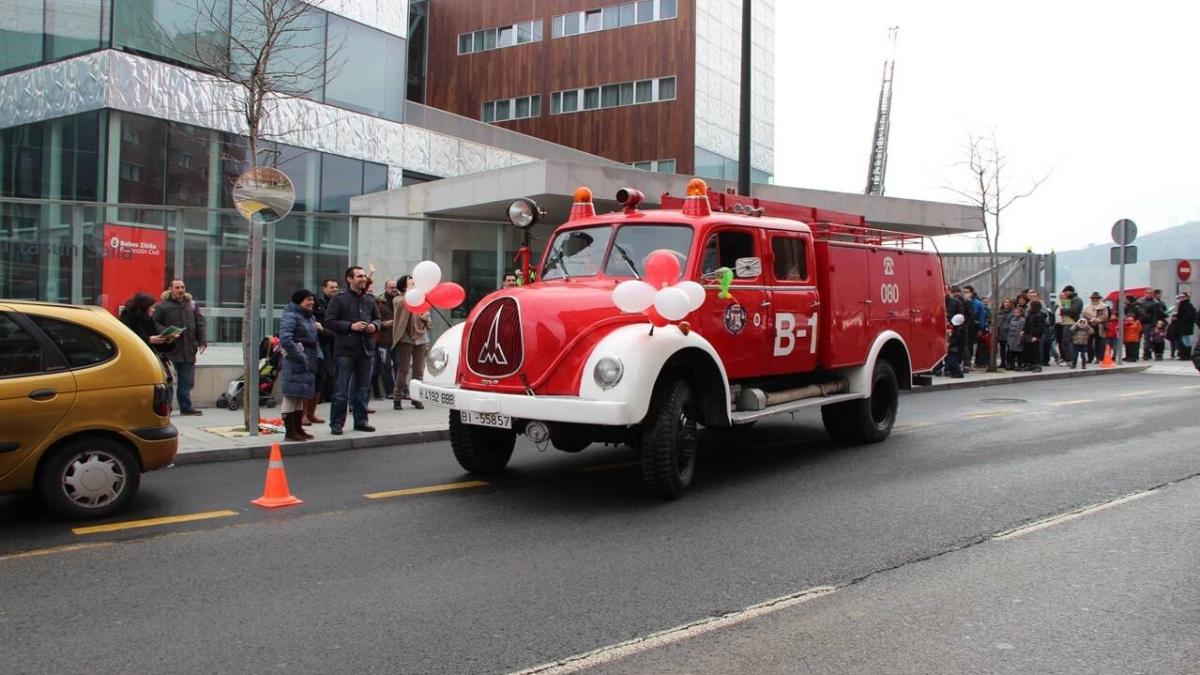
[[1072, 515], [596, 657], [1082, 400]]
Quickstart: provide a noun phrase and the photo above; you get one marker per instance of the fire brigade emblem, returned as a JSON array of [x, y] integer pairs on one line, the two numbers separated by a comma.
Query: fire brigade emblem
[[735, 318]]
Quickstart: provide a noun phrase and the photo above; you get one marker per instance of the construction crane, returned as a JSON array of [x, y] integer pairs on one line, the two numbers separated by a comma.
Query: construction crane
[[877, 168]]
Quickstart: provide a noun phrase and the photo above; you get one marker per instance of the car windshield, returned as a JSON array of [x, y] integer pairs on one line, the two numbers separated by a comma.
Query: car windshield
[[580, 253]]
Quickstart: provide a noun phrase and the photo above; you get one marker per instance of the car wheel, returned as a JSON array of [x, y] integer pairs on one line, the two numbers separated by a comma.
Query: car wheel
[[867, 420], [481, 450], [89, 477]]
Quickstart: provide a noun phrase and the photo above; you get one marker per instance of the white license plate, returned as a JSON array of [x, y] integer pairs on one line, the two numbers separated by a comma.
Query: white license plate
[[486, 419], [437, 397]]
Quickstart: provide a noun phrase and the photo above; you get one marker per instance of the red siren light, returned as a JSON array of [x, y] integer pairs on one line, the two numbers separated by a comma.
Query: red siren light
[[582, 206]]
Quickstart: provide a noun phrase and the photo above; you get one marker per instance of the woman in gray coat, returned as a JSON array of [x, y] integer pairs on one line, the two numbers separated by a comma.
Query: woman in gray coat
[[301, 362]]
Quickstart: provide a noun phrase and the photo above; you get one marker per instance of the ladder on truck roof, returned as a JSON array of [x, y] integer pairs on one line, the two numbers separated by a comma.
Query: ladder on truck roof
[[824, 223]]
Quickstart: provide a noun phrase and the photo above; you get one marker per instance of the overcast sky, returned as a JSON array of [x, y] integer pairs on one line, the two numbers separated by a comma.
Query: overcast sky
[[1105, 95]]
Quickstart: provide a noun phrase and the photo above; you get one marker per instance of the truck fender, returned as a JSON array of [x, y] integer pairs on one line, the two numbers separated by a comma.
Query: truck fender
[[644, 357], [891, 346], [451, 341]]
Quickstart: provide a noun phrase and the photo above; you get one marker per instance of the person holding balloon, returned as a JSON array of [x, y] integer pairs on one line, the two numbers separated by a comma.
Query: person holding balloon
[[410, 342]]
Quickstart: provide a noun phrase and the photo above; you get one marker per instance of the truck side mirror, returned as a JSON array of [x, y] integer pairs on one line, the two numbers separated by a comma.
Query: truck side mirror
[[747, 268]]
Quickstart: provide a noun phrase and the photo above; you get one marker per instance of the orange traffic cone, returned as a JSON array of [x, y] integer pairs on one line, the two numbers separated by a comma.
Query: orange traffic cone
[[1108, 359], [276, 493]]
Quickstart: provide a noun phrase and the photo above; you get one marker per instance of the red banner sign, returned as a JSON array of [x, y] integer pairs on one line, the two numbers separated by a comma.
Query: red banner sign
[[135, 261]]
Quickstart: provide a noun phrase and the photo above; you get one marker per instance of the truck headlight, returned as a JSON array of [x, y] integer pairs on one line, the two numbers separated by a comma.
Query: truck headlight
[[437, 360], [608, 372]]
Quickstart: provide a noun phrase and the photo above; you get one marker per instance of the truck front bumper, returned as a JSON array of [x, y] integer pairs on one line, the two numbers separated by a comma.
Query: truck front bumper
[[569, 409]]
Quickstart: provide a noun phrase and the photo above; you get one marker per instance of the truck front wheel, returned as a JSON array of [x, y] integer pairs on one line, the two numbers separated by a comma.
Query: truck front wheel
[[867, 420], [669, 441], [480, 449]]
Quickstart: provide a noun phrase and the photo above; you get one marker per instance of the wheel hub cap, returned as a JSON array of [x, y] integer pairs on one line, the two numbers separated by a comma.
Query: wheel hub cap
[[93, 479]]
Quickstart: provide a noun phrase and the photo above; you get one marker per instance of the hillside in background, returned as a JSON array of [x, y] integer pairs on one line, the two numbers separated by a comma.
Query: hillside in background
[[1088, 269]]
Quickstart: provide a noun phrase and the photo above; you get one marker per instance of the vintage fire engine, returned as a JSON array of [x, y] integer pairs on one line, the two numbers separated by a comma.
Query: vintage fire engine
[[800, 307]]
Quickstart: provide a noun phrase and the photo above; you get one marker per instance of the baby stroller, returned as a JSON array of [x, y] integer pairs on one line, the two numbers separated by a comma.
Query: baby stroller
[[271, 355]]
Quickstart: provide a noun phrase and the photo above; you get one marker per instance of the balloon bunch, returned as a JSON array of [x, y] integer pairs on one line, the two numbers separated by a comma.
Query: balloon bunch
[[657, 294], [430, 291], [724, 279]]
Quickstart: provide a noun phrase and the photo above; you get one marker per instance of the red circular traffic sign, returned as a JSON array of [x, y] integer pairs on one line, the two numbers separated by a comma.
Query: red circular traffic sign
[[1184, 270]]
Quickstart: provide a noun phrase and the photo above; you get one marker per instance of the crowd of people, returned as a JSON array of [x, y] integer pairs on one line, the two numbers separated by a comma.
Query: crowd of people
[[1071, 332]]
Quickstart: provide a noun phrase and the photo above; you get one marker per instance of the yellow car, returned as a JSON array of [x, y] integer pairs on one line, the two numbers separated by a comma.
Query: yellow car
[[84, 408]]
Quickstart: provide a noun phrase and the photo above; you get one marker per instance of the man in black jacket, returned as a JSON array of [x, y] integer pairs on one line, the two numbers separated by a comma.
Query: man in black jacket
[[1187, 324], [353, 319], [178, 309]]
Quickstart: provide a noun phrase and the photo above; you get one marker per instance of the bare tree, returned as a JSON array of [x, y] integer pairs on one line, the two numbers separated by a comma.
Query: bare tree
[[985, 191], [267, 50]]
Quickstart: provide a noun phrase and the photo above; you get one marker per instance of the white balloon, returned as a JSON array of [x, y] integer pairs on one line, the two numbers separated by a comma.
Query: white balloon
[[633, 297], [415, 297], [957, 320], [695, 293], [426, 275], [672, 303]]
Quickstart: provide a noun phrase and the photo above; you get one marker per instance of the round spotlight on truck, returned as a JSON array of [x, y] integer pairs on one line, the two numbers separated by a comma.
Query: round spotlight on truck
[[608, 372], [629, 198], [523, 213]]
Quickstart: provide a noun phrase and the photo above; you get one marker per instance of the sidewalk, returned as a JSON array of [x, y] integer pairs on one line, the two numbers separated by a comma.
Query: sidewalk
[[211, 437]]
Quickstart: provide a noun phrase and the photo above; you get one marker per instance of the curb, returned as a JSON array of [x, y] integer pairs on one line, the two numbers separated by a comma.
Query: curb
[[436, 435], [1036, 377], [294, 449]]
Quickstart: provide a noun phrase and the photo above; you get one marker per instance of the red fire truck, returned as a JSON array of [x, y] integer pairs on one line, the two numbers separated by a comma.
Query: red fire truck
[[821, 310]]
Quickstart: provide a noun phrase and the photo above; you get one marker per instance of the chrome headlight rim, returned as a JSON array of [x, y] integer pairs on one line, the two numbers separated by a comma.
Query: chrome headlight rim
[[608, 372], [437, 360]]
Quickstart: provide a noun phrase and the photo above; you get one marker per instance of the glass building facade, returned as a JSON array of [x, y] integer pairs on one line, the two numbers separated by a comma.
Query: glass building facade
[[64, 181], [326, 57]]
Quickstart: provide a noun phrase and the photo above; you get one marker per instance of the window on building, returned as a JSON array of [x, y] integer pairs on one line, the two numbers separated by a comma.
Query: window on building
[[666, 9], [666, 166], [524, 32], [571, 23], [522, 108], [628, 14], [645, 91], [645, 11], [591, 98], [612, 17], [502, 110], [644, 166], [570, 101], [20, 34], [298, 64], [341, 179], [173, 30], [506, 37], [71, 26], [370, 77], [556, 103], [666, 89], [593, 20], [489, 111], [626, 93], [610, 96], [466, 41], [535, 106], [556, 27]]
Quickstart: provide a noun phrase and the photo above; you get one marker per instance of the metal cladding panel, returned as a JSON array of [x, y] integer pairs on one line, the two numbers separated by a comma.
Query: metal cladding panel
[[56, 90]]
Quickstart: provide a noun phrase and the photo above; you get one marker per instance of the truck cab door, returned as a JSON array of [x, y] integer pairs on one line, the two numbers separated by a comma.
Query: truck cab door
[[795, 304], [736, 326]]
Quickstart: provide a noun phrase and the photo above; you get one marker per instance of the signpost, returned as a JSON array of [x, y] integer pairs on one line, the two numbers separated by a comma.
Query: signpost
[[1184, 270], [1124, 231], [263, 195]]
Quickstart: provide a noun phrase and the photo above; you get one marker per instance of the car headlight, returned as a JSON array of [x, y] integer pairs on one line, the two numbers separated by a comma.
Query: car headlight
[[608, 372], [437, 360]]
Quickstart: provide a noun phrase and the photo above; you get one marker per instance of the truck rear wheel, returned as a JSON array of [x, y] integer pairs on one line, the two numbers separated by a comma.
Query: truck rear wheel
[[480, 449], [867, 420], [669, 441]]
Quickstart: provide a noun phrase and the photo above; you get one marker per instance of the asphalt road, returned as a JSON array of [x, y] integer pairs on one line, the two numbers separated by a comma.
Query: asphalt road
[[565, 554]]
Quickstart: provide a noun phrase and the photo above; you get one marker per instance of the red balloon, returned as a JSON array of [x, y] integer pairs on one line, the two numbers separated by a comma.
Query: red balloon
[[446, 295], [662, 268], [424, 307], [656, 318]]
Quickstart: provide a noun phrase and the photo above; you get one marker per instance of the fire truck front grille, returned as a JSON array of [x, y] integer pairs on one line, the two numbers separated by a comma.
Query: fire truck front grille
[[496, 347]]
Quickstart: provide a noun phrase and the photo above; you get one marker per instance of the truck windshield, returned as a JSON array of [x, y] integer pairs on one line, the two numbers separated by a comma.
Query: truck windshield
[[634, 242], [576, 253], [580, 253]]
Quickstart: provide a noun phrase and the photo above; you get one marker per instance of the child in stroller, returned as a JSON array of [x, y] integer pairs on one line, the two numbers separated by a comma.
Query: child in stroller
[[271, 361]]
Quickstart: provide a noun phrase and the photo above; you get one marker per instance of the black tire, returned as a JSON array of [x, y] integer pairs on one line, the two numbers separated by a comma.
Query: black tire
[[669, 441], [233, 405], [867, 420], [478, 449], [91, 477], [222, 402], [271, 403]]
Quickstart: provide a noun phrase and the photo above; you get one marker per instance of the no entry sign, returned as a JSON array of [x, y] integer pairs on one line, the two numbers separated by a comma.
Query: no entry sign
[[1184, 270]]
